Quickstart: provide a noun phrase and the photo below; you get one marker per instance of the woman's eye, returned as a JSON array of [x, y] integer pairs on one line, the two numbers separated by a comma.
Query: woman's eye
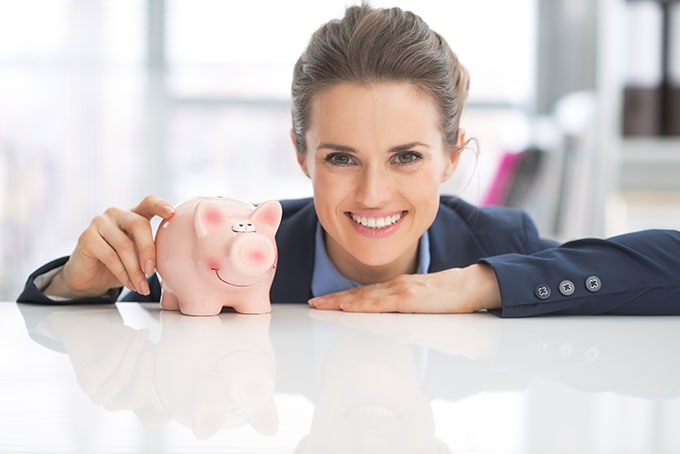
[[408, 157], [339, 159], [343, 159]]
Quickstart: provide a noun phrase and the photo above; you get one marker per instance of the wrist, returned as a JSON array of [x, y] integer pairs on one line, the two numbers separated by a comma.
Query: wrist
[[484, 286], [59, 287]]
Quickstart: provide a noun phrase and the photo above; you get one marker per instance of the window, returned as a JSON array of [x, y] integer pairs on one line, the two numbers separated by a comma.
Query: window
[[86, 123]]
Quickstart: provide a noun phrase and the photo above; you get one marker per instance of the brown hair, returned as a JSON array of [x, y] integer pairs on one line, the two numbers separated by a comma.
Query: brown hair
[[371, 45]]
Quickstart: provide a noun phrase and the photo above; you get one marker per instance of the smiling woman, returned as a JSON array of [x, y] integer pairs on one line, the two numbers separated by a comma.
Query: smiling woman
[[377, 98], [375, 151]]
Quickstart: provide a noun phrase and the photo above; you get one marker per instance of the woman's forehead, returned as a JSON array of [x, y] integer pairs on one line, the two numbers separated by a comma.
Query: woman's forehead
[[395, 111], [389, 94]]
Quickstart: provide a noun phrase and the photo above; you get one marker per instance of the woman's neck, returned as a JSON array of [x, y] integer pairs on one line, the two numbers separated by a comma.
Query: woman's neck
[[359, 272]]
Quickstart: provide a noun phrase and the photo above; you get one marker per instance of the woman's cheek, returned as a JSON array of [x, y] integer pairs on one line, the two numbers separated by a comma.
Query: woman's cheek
[[423, 183], [325, 182], [329, 189]]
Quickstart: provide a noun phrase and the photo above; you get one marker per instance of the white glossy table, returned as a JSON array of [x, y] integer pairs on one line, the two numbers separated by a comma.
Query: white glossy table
[[132, 378]]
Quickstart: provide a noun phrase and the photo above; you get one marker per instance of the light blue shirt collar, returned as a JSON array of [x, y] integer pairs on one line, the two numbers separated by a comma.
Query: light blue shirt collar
[[327, 279]]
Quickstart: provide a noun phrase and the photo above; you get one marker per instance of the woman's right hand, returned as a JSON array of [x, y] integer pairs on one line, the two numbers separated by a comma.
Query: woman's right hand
[[116, 249]]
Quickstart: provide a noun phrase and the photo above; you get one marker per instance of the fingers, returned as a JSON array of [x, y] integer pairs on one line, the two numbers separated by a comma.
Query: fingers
[[371, 303], [131, 251], [426, 293], [124, 258], [116, 248], [332, 301], [136, 223], [326, 302], [106, 254], [368, 298], [140, 229], [152, 205]]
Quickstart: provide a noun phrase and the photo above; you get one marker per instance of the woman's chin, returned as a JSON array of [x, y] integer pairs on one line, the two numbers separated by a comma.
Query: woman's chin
[[374, 258]]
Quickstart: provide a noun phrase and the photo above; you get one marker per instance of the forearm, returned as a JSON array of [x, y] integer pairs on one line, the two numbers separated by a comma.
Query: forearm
[[637, 274]]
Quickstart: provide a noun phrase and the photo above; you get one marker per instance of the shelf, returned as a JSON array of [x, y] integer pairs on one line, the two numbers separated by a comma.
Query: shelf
[[650, 164], [656, 149], [647, 209]]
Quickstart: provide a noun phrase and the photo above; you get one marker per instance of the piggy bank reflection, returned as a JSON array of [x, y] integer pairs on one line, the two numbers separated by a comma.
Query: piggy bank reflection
[[216, 252], [217, 373]]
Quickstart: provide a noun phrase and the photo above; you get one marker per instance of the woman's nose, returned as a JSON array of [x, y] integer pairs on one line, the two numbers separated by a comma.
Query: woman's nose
[[374, 187]]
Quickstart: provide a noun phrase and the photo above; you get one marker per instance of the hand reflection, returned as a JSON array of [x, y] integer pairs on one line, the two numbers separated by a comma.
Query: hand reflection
[[208, 373], [113, 362], [475, 336], [594, 354]]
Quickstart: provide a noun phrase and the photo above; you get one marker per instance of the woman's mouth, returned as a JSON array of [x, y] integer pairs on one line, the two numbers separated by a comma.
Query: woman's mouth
[[377, 224]]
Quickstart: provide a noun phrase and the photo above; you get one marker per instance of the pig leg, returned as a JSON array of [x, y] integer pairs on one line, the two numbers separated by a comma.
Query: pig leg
[[169, 300], [256, 303], [200, 305]]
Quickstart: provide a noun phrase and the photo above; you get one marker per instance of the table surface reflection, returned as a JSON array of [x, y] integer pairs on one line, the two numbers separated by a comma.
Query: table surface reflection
[[131, 377]]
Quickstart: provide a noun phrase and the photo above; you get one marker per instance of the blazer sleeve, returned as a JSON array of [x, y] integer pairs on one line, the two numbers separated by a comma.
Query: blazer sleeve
[[633, 274], [33, 294]]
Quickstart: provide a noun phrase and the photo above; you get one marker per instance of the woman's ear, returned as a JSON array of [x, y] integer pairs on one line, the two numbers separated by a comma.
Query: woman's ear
[[300, 158], [453, 156]]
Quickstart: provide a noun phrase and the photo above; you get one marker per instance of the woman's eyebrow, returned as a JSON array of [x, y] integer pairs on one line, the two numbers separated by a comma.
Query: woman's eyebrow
[[395, 149]]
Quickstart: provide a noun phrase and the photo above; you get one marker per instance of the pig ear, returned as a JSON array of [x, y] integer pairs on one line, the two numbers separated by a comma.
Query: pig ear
[[207, 216], [269, 213]]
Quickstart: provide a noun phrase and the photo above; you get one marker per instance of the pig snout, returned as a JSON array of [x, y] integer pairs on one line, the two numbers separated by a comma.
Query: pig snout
[[252, 255]]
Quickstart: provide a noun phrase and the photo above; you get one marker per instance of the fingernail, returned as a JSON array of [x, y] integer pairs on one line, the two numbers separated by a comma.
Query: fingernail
[[167, 210], [144, 287], [345, 306], [317, 301], [148, 268]]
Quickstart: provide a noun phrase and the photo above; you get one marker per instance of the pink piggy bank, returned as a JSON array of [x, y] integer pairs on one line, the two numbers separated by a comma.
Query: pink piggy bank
[[217, 252]]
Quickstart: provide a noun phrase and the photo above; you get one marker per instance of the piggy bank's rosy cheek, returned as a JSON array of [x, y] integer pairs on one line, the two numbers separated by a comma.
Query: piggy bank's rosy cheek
[[212, 264]]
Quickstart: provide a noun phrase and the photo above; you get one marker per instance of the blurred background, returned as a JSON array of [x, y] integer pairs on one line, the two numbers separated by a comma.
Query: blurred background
[[574, 105]]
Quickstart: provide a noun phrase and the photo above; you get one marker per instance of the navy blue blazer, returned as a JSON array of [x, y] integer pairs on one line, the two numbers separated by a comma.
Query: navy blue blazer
[[635, 273]]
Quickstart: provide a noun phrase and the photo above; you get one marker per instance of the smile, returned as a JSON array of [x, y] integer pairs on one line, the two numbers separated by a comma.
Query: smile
[[217, 273], [376, 225], [376, 222]]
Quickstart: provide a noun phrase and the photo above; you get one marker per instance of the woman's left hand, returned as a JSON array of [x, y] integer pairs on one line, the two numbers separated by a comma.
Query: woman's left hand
[[456, 290]]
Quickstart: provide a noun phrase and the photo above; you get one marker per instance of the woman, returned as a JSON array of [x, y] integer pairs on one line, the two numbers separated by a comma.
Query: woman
[[377, 99]]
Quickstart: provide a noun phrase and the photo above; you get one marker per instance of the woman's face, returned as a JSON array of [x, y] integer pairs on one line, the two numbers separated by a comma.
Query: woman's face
[[376, 152]]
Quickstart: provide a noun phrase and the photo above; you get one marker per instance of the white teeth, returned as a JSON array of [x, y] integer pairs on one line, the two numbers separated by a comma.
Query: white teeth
[[375, 223]]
